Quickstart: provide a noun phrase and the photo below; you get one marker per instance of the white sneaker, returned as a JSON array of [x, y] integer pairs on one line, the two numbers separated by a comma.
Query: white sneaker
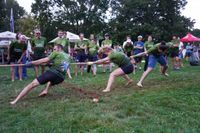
[[139, 85]]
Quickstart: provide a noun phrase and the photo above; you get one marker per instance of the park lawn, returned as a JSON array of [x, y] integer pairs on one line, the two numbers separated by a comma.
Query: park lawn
[[164, 105]]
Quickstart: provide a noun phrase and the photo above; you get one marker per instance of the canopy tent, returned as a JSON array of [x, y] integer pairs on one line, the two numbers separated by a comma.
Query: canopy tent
[[190, 38], [7, 35], [71, 36]]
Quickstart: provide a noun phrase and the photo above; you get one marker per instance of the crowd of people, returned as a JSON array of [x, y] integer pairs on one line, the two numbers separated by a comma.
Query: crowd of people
[[88, 53]]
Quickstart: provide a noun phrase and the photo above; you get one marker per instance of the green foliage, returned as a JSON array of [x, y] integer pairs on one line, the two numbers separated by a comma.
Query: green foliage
[[163, 105], [18, 12]]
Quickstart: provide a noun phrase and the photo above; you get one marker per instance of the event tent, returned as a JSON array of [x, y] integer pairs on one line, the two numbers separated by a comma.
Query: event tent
[[71, 36], [190, 38], [7, 35]]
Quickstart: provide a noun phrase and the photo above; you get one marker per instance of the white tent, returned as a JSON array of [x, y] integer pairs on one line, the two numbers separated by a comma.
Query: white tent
[[7, 35], [71, 36]]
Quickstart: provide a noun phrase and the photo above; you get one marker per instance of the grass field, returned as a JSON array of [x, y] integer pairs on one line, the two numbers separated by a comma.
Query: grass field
[[164, 105]]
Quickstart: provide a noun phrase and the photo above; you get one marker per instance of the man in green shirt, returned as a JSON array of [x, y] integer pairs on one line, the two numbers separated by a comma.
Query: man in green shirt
[[174, 53], [147, 45], [106, 43], [62, 39], [53, 76], [38, 45], [155, 55], [92, 54], [118, 58], [16, 52], [81, 50]]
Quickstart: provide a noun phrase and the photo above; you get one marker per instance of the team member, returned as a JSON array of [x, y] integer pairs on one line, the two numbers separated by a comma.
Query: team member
[[174, 53], [81, 50], [38, 45], [92, 54], [16, 53], [138, 48], [62, 39], [147, 45], [107, 43], [53, 76], [120, 59], [128, 47], [155, 55]]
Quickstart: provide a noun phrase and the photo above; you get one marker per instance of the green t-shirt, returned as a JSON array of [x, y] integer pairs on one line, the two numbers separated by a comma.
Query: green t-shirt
[[154, 50], [61, 61], [174, 47], [92, 49], [82, 43], [64, 42], [128, 47], [119, 59], [16, 49], [106, 43], [148, 45], [39, 45]]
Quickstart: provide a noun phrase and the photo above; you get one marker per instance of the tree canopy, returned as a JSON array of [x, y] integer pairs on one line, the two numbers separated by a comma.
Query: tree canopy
[[160, 18]]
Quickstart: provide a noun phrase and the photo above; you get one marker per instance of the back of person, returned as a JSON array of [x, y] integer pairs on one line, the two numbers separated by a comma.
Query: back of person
[[119, 58]]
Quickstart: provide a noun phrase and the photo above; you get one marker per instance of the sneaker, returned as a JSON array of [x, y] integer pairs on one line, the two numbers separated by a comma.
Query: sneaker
[[139, 85]]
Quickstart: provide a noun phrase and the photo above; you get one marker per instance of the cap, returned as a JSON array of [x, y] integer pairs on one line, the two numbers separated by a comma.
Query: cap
[[106, 34], [139, 36]]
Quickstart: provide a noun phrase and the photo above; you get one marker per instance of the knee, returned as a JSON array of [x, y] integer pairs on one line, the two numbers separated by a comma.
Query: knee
[[34, 82], [113, 75]]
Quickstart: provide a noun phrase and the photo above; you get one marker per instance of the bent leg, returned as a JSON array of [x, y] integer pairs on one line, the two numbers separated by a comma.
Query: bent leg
[[144, 75], [113, 75], [45, 91], [25, 91]]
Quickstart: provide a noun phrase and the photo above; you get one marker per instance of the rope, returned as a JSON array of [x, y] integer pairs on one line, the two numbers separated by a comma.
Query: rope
[[16, 65]]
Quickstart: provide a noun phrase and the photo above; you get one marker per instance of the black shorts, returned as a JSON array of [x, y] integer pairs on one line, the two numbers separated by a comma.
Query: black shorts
[[37, 56], [127, 69], [49, 76], [138, 59], [174, 54]]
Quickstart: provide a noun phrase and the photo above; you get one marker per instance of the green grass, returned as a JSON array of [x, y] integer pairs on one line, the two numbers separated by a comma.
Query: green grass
[[164, 105]]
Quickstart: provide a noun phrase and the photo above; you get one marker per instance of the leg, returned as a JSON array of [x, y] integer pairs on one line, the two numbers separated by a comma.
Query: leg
[[43, 68], [113, 75], [69, 73], [36, 70], [45, 91], [94, 69], [12, 73], [25, 91], [144, 75], [20, 73], [128, 79], [110, 65]]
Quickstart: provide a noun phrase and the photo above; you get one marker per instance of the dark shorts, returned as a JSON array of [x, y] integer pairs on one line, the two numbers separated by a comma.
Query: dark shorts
[[37, 56], [92, 58], [174, 54], [49, 76], [14, 60], [81, 57], [127, 69], [138, 59]]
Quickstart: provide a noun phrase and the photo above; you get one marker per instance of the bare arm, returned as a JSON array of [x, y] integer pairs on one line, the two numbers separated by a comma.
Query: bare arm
[[40, 61], [102, 61]]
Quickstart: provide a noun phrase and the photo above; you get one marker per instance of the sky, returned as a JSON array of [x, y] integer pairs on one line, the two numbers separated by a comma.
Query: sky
[[191, 10]]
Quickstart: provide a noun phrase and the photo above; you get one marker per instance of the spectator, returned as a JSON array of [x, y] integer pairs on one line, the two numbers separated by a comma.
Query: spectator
[[39, 44]]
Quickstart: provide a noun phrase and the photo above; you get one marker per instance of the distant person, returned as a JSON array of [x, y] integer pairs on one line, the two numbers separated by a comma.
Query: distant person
[[81, 50], [16, 53], [39, 44], [138, 48], [53, 76], [174, 53], [147, 45], [62, 39], [107, 42]]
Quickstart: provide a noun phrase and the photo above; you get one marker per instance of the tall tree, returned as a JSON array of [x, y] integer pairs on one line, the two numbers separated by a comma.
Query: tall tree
[[5, 8]]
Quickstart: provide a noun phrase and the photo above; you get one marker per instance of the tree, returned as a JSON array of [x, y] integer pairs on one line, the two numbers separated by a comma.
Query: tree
[[18, 12]]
